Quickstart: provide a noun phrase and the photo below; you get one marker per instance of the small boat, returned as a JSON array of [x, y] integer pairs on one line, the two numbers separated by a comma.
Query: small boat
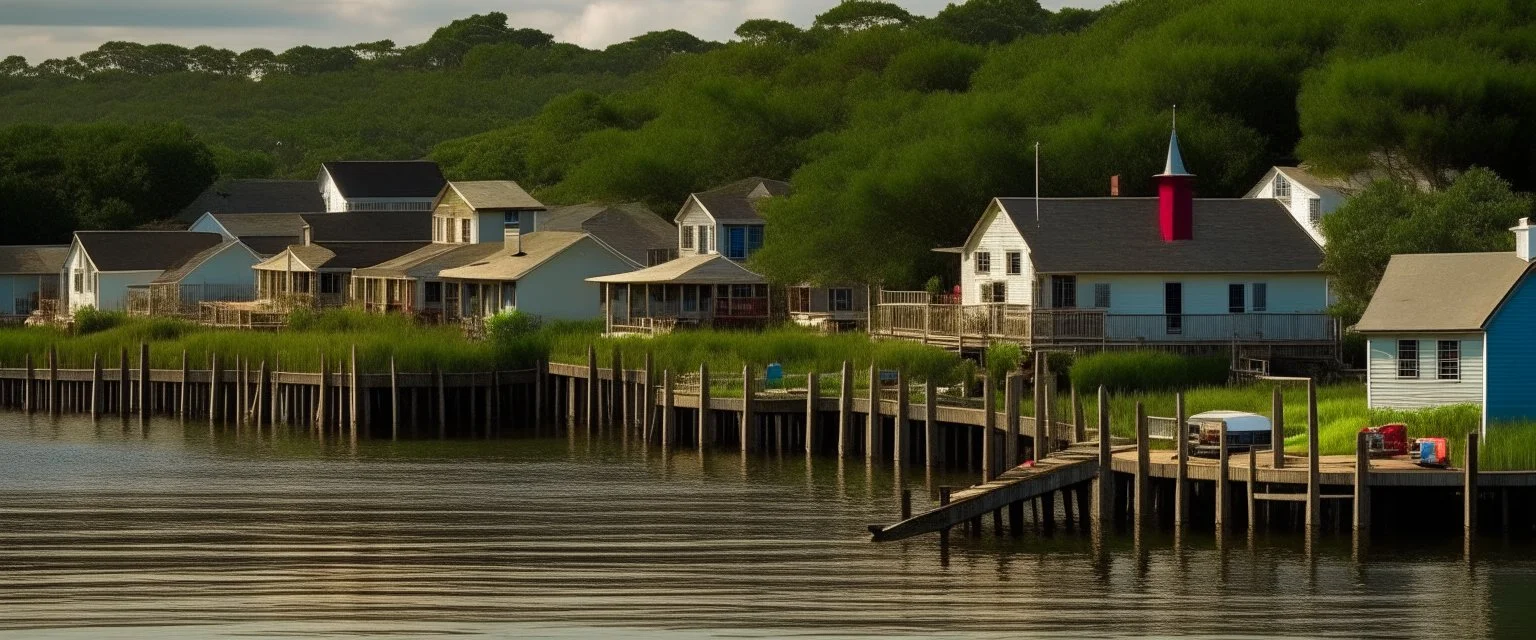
[[1244, 431]]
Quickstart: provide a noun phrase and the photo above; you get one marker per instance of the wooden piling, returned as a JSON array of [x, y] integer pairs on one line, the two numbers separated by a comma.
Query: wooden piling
[[213, 385], [1223, 482], [184, 399], [1143, 467], [616, 390], [261, 391], [944, 493], [988, 429], [1079, 420], [1469, 486], [1253, 491], [812, 396], [394, 400], [593, 386], [442, 403], [323, 402], [1314, 467], [1041, 434], [648, 397], [1104, 484], [872, 419], [747, 416], [706, 416], [930, 423], [144, 383], [899, 440], [540, 379], [668, 409], [1362, 520], [53, 379], [906, 504], [96, 391], [29, 391], [844, 409], [352, 393], [1277, 428], [1181, 473], [1013, 392]]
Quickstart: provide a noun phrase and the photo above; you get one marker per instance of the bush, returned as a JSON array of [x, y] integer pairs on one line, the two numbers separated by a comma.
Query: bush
[[89, 320], [1139, 371], [511, 325], [1003, 357]]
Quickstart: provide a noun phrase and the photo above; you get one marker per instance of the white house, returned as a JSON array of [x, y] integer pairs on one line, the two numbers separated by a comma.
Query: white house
[[102, 265], [1169, 270], [28, 276], [543, 273], [1308, 197], [725, 220], [1455, 328], [380, 185]]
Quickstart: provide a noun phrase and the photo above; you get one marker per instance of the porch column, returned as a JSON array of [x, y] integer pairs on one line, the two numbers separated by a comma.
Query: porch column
[[608, 306]]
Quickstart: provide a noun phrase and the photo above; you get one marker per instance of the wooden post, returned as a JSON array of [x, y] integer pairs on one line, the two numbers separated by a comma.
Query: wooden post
[[144, 383], [261, 393], [593, 386], [1013, 392], [184, 399], [899, 440], [1314, 469], [706, 417], [906, 504], [930, 423], [872, 426], [1277, 428], [96, 395], [53, 379], [1079, 421], [746, 407], [1362, 482], [213, 386], [668, 409], [1253, 489], [29, 392], [323, 404], [988, 429], [844, 409], [540, 379], [944, 493], [1104, 484], [1181, 477], [352, 396], [648, 397], [442, 403], [616, 390], [812, 395], [273, 401], [1469, 485], [1223, 483], [1041, 436], [1143, 467], [394, 400]]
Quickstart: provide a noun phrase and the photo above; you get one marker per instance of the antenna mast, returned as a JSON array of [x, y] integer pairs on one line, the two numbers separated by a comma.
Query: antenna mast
[[1037, 183]]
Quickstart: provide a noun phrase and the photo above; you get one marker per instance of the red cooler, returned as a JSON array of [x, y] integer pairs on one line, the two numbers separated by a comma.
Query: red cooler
[[1434, 452], [1394, 439]]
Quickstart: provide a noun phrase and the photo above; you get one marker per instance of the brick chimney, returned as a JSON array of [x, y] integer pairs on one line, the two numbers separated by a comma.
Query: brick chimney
[[1175, 198], [1114, 186]]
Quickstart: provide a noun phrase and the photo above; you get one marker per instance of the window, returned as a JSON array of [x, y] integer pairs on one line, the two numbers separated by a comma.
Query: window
[[464, 228], [1063, 292], [1448, 359], [687, 237], [1237, 299], [736, 243], [1282, 187], [800, 300], [1260, 297], [437, 230], [999, 291], [434, 293], [1408, 358], [983, 262], [1314, 211], [1173, 308], [754, 239], [704, 244], [741, 291], [79, 282], [512, 220], [842, 299], [330, 283], [690, 299], [1101, 295], [1015, 263]]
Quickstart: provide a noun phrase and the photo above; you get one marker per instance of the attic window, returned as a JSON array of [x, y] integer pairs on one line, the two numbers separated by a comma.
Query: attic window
[[1282, 187]]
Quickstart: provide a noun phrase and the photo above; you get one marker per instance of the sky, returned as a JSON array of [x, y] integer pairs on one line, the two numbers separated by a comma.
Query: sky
[[41, 29]]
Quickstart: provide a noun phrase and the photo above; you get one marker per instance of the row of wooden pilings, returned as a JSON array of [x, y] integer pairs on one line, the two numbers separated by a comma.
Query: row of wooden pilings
[[338, 400]]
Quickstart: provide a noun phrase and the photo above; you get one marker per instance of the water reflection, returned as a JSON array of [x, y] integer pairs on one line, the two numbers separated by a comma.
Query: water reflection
[[164, 528]]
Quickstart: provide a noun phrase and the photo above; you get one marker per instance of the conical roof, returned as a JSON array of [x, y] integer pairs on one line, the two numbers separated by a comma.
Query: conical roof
[[1175, 164]]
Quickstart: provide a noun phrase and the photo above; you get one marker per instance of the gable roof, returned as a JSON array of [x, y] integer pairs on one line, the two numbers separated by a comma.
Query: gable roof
[[175, 273], [1441, 291], [538, 247], [371, 226], [241, 225], [429, 260], [386, 179], [255, 196], [143, 250], [631, 229], [1120, 235], [339, 255], [33, 259], [696, 269], [483, 195], [1311, 182], [736, 202]]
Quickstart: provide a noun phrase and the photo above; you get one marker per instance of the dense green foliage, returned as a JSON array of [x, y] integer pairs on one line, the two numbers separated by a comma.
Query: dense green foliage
[[1138, 371], [1473, 214], [54, 180]]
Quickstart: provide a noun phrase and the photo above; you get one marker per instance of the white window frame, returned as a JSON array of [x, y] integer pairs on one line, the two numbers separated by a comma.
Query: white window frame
[[1102, 295], [983, 262], [1448, 354], [1315, 211], [1013, 263], [687, 237], [1282, 187], [1406, 369]]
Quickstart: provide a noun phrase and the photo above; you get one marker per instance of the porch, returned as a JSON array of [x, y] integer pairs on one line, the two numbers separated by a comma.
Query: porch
[[183, 300], [917, 315], [293, 288], [661, 308]]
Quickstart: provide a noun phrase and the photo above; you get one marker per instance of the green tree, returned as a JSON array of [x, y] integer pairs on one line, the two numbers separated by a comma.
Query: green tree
[[14, 66], [765, 31], [991, 21], [852, 15], [1473, 214], [305, 60]]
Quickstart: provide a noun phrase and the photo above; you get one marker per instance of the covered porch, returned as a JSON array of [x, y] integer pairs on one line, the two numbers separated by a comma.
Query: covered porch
[[694, 291], [298, 278]]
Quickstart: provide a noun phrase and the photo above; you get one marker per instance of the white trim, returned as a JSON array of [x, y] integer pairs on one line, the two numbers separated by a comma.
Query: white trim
[[1482, 427]]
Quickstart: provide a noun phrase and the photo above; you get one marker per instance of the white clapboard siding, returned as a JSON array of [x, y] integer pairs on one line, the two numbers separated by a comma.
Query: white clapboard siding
[[998, 237], [1387, 391]]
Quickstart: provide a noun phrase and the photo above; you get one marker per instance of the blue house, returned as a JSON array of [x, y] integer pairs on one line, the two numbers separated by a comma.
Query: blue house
[[1455, 328]]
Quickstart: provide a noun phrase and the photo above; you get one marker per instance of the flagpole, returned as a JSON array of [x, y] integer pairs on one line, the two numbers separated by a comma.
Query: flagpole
[[1037, 183]]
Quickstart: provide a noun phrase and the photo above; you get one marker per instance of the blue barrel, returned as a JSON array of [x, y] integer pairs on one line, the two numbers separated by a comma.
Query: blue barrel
[[775, 375]]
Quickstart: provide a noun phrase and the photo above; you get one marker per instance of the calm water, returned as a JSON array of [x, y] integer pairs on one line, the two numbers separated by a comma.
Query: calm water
[[121, 531]]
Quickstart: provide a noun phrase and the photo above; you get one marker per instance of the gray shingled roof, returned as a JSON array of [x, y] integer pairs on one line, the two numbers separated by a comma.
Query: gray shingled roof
[[266, 246], [429, 260], [143, 250], [33, 259], [736, 202], [340, 255], [483, 195], [255, 196], [537, 248], [631, 229], [371, 226], [1441, 291], [387, 179], [242, 225], [1120, 235], [697, 269]]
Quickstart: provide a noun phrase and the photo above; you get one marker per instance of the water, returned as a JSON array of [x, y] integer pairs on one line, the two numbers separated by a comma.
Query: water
[[114, 530]]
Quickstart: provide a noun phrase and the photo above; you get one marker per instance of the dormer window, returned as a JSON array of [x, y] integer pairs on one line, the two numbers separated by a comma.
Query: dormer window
[[1282, 187], [464, 230]]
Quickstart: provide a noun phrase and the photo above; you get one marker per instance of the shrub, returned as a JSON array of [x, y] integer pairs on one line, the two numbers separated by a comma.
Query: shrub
[[1003, 357], [1138, 371], [89, 320], [511, 325]]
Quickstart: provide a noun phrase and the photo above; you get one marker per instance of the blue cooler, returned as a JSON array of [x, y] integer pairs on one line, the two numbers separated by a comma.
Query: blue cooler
[[774, 375]]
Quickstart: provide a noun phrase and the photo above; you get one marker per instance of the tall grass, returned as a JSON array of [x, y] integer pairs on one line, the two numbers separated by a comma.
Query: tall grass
[[1131, 371]]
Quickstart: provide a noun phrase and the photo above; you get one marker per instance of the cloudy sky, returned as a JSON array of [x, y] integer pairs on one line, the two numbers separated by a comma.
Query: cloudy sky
[[40, 29]]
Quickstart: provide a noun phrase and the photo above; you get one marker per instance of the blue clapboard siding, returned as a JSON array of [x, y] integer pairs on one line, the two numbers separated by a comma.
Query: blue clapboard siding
[[1512, 356]]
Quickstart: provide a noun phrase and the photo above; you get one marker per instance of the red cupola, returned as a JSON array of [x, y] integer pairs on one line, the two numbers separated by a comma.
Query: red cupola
[[1175, 198]]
